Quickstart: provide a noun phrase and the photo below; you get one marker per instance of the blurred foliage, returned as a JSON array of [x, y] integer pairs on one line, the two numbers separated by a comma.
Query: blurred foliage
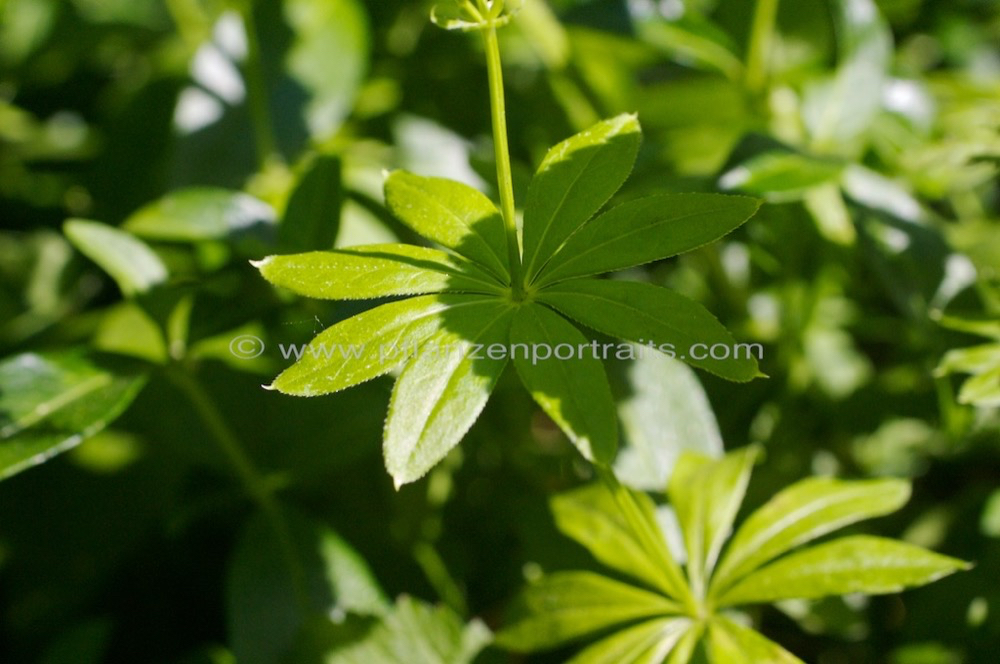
[[209, 132]]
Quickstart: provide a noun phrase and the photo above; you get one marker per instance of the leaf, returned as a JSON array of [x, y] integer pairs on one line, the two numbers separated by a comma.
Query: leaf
[[974, 359], [566, 606], [781, 176], [574, 392], [452, 214], [802, 512], [131, 263], [202, 213], [441, 392], [650, 315], [691, 39], [591, 516], [707, 494], [666, 412], [858, 564], [646, 643], [331, 32], [733, 643], [368, 345], [50, 403], [575, 179], [982, 390], [265, 612], [685, 648], [312, 215], [416, 632], [373, 271], [646, 230]]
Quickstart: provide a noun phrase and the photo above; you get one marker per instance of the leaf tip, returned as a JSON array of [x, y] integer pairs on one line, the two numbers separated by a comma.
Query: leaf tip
[[260, 264]]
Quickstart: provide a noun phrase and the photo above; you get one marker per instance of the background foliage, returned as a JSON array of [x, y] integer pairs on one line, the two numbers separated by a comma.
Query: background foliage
[[870, 276]]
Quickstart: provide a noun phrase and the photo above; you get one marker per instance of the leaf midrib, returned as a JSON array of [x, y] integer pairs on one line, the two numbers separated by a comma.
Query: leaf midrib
[[48, 408]]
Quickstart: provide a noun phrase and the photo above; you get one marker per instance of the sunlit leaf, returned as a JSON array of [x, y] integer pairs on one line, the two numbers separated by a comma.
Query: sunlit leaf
[[131, 263]]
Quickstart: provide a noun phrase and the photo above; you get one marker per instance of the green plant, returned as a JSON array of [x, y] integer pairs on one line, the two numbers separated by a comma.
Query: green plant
[[484, 299], [669, 614]]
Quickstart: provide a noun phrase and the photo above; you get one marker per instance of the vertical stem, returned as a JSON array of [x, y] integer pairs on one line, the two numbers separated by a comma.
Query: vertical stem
[[505, 181], [761, 42], [260, 114], [249, 476]]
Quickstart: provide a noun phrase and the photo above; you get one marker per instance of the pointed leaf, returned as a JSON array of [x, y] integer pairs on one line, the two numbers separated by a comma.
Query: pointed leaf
[[858, 564], [368, 345], [646, 643], [452, 214], [575, 179], [131, 263], [802, 512], [685, 648], [312, 215], [50, 403], [650, 315], [441, 392], [733, 643], [591, 516], [574, 392], [974, 359], [646, 230], [566, 606], [201, 213], [372, 271], [707, 494], [982, 390]]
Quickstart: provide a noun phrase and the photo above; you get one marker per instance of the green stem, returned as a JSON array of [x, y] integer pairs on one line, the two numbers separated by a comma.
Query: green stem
[[505, 180], [253, 482], [761, 43], [260, 113]]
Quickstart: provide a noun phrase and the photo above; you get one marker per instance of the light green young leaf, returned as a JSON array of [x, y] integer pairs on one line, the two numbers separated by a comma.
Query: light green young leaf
[[574, 392], [984, 328], [575, 179], [982, 390], [802, 512], [644, 313], [312, 215], [131, 263], [265, 611], [646, 230], [706, 494], [685, 648], [690, 39], [732, 643], [781, 176], [373, 271], [50, 403], [441, 392], [646, 643], [566, 606], [201, 213], [369, 345], [592, 517], [969, 360], [452, 214], [858, 564]]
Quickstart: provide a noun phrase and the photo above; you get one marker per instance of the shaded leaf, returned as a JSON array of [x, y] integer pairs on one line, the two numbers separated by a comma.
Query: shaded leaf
[[574, 392], [312, 215], [131, 263], [781, 175]]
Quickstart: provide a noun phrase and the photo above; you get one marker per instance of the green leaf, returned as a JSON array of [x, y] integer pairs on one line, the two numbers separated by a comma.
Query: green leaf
[[591, 516], [646, 230], [975, 359], [566, 606], [452, 214], [781, 176], [441, 392], [373, 271], [685, 648], [802, 512], [691, 38], [732, 643], [982, 390], [707, 494], [416, 632], [646, 643], [50, 403], [265, 611], [312, 215], [202, 213], [664, 413], [574, 392], [575, 179], [858, 564], [368, 345], [328, 57], [647, 314], [131, 263]]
